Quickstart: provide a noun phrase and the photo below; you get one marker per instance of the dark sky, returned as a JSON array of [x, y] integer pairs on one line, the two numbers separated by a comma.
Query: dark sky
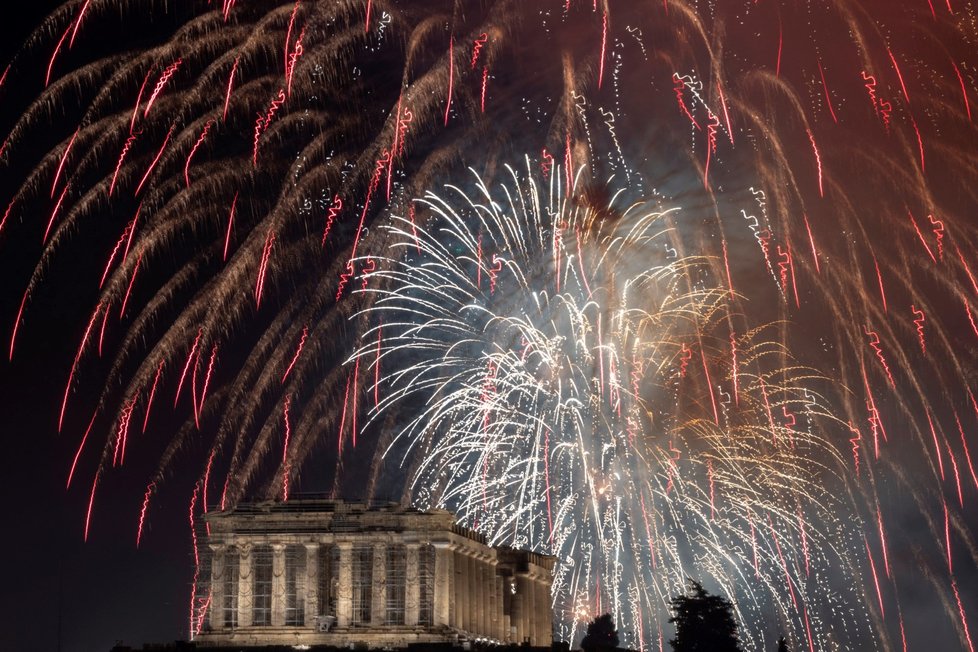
[[61, 593]]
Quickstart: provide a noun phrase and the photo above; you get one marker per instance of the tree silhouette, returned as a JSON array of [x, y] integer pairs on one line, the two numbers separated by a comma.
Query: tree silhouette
[[601, 634], [704, 622], [782, 645]]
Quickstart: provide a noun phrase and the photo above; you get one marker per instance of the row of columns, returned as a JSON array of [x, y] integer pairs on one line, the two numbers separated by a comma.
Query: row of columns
[[471, 593], [344, 597], [473, 596]]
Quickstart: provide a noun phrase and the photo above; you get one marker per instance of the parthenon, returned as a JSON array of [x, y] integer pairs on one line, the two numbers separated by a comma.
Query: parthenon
[[318, 572]]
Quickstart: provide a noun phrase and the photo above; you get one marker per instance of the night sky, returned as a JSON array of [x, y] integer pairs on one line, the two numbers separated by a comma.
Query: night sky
[[841, 160]]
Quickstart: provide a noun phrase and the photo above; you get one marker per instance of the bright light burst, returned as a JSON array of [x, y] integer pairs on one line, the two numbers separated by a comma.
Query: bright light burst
[[575, 387], [630, 386]]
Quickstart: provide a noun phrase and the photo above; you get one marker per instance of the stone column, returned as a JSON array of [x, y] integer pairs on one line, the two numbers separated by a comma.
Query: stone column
[[278, 585], [312, 583], [344, 597], [245, 580], [530, 605], [519, 609], [509, 622], [444, 583], [412, 588], [462, 589], [478, 610], [378, 598], [544, 614], [215, 612], [492, 619]]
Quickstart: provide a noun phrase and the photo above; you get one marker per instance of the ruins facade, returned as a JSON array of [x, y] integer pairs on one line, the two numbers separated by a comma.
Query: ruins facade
[[318, 572]]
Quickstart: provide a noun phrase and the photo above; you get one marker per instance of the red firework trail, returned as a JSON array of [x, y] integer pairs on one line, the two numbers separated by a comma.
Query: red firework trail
[[937, 446], [6, 213], [152, 393], [876, 581], [485, 85], [263, 266], [142, 512], [54, 55], [122, 433], [139, 99], [874, 343], [122, 157], [854, 441], [193, 150], [886, 557], [78, 22], [967, 270], [604, 46], [920, 144], [288, 36], [964, 90], [957, 595], [726, 115], [298, 352], [227, 97], [334, 210], [777, 68], [161, 83], [261, 125], [207, 382], [91, 502], [879, 278], [896, 67], [919, 323], [227, 237], [957, 475], [967, 451], [938, 229], [921, 236], [346, 398], [125, 301], [105, 322], [156, 160], [74, 364], [477, 46], [808, 631], [186, 366], [713, 399], [711, 146], [285, 448], [366, 24], [81, 446], [811, 241], [61, 164], [293, 60], [451, 77], [825, 87], [54, 214], [818, 163]]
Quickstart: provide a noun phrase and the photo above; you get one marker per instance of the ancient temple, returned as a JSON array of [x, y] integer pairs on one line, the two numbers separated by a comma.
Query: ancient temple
[[317, 572]]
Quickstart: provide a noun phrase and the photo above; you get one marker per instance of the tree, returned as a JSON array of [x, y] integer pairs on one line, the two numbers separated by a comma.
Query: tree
[[704, 622], [782, 645], [601, 634]]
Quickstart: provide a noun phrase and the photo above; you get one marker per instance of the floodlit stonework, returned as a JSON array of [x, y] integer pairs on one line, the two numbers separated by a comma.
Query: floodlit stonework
[[316, 572]]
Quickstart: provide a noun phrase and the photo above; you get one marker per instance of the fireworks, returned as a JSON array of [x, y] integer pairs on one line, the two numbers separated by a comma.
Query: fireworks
[[571, 385], [720, 323]]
